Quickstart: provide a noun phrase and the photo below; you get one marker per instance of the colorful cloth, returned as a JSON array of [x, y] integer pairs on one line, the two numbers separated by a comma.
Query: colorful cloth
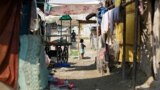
[[32, 67], [9, 41], [105, 23], [117, 14], [101, 11]]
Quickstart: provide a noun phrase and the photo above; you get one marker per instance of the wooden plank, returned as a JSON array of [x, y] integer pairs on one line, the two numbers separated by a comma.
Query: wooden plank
[[134, 70], [58, 35], [87, 21]]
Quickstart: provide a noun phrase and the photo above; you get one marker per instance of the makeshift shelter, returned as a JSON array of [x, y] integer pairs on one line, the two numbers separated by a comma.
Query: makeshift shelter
[[63, 41], [9, 47], [65, 18]]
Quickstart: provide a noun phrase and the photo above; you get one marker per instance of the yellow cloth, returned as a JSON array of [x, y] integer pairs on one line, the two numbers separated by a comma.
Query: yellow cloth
[[119, 33], [129, 54], [129, 32], [130, 8], [130, 28], [117, 3]]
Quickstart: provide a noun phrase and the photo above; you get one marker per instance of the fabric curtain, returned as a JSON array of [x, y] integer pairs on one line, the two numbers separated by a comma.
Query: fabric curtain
[[33, 73], [156, 40], [146, 37], [9, 41]]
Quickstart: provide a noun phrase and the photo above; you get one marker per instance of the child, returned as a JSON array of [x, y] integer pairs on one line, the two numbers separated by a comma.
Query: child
[[82, 46]]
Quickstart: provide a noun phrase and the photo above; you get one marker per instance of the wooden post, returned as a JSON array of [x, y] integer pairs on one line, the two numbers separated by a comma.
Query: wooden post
[[69, 37], [135, 46], [124, 45], [70, 31], [61, 30], [78, 40], [97, 48]]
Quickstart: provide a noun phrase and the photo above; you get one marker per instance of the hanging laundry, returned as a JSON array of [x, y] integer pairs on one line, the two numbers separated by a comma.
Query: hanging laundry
[[118, 14], [9, 41], [105, 23], [117, 2], [32, 67], [111, 21], [101, 11], [156, 40]]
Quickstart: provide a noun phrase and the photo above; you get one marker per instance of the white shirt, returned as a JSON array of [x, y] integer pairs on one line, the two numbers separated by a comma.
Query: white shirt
[[105, 22]]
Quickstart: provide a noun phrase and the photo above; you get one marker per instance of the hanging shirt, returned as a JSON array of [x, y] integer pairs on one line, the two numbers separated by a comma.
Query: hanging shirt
[[107, 20], [118, 14], [105, 23], [102, 10], [111, 22]]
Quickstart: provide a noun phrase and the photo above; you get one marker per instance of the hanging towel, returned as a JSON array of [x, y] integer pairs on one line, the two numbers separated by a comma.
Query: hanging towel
[[9, 41], [105, 23], [111, 22]]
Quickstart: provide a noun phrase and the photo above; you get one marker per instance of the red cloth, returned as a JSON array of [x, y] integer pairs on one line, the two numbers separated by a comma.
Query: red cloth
[[9, 41], [101, 54]]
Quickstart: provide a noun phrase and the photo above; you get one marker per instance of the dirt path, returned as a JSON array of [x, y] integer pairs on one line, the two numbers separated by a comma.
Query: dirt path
[[85, 76]]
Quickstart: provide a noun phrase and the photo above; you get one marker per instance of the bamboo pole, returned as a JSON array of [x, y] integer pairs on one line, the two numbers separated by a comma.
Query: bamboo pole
[[61, 30], [70, 30], [78, 41], [70, 37], [135, 46], [124, 45], [97, 48]]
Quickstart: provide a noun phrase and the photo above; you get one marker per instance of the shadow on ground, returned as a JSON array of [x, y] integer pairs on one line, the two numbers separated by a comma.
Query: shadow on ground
[[83, 68], [110, 82], [86, 58]]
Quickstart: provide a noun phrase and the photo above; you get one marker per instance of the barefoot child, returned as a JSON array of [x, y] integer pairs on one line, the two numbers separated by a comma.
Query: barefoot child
[[82, 46]]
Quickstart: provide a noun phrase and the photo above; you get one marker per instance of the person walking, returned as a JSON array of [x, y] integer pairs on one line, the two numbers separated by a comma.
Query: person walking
[[73, 36]]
